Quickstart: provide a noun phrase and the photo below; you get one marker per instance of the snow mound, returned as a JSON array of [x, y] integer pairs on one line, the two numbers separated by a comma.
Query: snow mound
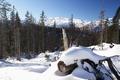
[[68, 57], [79, 53]]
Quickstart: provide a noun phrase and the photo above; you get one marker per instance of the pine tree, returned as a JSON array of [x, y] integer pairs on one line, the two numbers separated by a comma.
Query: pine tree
[[30, 41], [42, 25], [116, 18], [71, 23], [4, 9], [102, 26], [17, 36], [72, 26], [27, 24], [32, 30], [106, 30], [116, 24], [12, 16], [54, 25], [29, 19], [11, 32]]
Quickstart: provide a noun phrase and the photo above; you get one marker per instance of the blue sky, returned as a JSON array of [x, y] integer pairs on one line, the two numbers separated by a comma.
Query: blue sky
[[83, 9]]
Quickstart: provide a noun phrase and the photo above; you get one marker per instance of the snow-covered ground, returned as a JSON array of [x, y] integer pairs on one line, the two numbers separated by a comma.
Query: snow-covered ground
[[40, 68], [107, 51]]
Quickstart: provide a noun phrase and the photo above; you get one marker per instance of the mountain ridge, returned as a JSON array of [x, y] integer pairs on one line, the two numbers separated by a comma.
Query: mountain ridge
[[64, 22]]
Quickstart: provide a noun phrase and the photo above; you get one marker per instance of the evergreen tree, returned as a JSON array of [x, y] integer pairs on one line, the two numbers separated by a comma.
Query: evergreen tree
[[116, 25], [12, 16], [105, 36], [27, 24], [42, 19], [42, 25], [4, 9], [116, 18], [71, 23], [30, 41], [29, 19], [11, 32], [17, 36], [54, 25], [32, 30], [102, 18]]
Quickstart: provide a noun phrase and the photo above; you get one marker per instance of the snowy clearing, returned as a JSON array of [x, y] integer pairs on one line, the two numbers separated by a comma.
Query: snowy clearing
[[40, 68]]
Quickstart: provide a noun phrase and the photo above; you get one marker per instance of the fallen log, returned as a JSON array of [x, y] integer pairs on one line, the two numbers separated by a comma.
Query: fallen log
[[66, 69]]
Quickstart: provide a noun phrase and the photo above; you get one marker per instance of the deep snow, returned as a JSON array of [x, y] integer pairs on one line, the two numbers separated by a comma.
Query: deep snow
[[39, 68]]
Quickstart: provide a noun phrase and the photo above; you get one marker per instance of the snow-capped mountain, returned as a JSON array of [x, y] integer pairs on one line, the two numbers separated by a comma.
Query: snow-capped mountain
[[64, 22]]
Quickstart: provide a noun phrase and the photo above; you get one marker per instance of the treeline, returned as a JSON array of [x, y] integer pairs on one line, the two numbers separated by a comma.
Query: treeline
[[28, 38]]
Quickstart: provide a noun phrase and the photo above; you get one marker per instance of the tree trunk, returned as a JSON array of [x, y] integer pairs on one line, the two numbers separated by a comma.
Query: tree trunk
[[65, 39]]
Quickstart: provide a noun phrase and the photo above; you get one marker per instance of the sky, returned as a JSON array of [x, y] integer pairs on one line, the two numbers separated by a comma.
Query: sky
[[83, 9]]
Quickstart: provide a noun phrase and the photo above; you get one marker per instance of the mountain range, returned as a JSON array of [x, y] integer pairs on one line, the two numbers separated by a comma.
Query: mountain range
[[64, 22]]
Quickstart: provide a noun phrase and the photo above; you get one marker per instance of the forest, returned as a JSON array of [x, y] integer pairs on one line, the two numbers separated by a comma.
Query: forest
[[28, 38]]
